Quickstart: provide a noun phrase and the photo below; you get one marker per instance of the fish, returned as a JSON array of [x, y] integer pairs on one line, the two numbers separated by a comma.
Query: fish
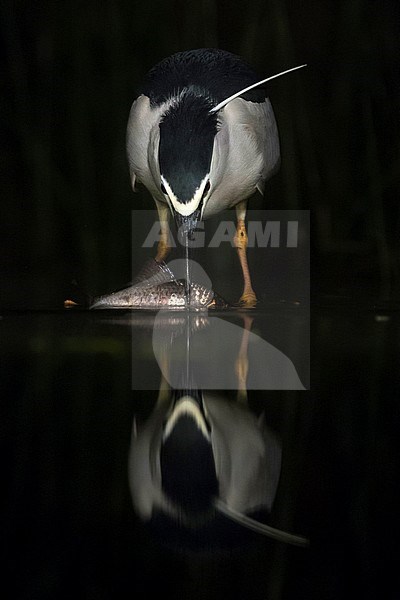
[[167, 295], [156, 288]]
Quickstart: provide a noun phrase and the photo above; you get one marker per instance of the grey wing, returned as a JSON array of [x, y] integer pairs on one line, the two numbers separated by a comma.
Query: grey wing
[[259, 125], [142, 141], [246, 153], [269, 140], [254, 134]]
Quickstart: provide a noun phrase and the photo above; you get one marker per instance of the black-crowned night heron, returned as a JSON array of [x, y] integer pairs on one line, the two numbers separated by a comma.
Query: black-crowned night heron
[[202, 138]]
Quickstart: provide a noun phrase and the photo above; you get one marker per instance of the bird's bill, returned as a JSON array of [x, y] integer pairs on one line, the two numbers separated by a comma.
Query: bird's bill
[[186, 224]]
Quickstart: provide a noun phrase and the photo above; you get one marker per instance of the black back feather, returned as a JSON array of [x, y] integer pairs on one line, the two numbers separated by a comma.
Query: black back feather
[[216, 73]]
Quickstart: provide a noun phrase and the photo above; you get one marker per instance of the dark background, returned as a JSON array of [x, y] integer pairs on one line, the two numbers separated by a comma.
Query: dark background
[[69, 75], [69, 71]]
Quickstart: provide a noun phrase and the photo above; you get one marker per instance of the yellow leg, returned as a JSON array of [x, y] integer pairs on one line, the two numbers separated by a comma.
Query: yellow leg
[[248, 299], [163, 247]]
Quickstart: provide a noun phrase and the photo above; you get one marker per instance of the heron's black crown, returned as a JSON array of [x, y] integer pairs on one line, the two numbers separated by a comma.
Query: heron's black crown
[[187, 133]]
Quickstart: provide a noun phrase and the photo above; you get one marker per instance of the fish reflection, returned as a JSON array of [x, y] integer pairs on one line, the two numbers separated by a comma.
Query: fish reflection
[[203, 466]]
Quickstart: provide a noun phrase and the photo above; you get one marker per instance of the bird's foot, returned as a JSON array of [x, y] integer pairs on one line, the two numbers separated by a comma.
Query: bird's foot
[[247, 300]]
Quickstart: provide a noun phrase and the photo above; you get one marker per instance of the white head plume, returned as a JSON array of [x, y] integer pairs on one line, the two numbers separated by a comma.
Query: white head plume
[[250, 87]]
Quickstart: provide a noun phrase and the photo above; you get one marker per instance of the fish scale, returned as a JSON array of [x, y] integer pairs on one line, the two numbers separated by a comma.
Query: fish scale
[[171, 295]]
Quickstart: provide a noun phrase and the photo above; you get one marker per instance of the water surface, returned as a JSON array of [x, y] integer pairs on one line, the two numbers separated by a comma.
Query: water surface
[[68, 406]]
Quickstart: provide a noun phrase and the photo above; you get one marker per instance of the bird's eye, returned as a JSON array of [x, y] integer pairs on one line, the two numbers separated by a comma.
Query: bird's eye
[[206, 189], [164, 191]]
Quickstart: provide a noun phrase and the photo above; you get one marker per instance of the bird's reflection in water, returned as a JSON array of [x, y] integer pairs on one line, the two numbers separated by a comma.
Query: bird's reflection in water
[[210, 352], [203, 468]]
